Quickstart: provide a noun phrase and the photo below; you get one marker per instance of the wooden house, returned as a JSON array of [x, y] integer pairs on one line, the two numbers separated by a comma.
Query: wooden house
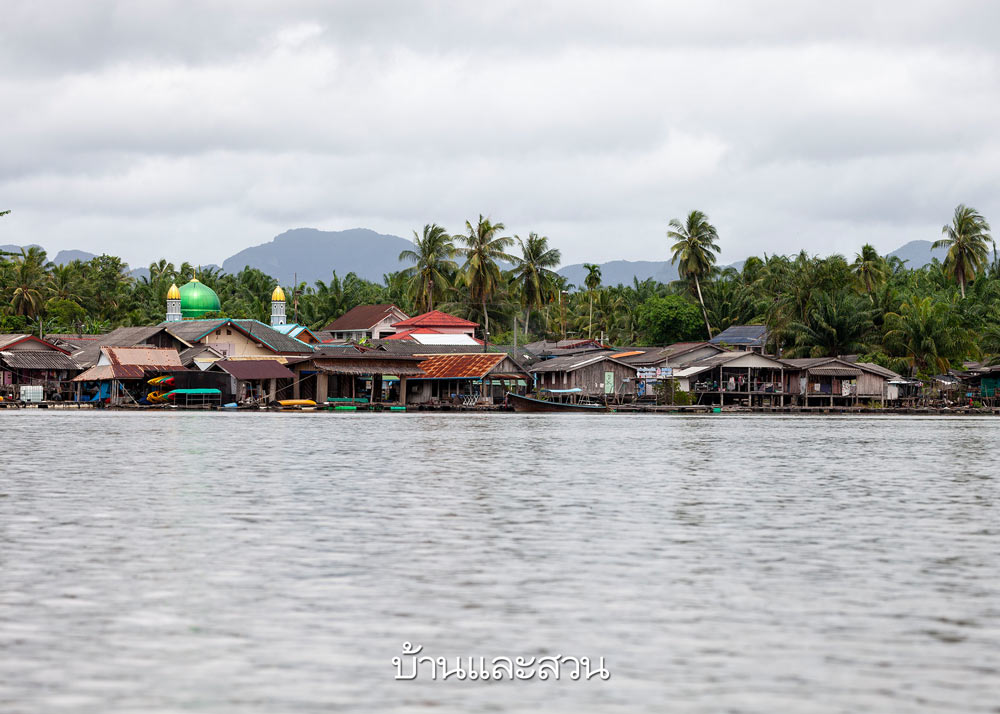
[[472, 378], [365, 322], [26, 360], [832, 381], [738, 377], [588, 374]]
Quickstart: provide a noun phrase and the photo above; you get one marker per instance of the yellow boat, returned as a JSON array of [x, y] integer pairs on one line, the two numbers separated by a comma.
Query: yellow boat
[[297, 402]]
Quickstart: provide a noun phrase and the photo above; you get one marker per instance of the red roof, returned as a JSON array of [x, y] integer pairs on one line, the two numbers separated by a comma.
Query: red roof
[[361, 317], [435, 318], [405, 334], [452, 366]]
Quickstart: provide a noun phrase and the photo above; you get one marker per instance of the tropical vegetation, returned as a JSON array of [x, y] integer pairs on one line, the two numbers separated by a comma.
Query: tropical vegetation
[[914, 319]]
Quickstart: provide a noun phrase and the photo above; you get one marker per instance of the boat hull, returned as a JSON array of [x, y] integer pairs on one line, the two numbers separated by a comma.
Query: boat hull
[[528, 404]]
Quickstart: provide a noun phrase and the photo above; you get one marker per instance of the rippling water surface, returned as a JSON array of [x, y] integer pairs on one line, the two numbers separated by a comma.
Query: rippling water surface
[[207, 562]]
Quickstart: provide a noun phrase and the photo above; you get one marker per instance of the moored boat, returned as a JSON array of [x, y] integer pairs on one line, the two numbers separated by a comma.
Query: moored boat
[[530, 404]]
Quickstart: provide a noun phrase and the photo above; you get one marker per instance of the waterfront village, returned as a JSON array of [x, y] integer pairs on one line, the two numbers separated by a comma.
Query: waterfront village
[[376, 357]]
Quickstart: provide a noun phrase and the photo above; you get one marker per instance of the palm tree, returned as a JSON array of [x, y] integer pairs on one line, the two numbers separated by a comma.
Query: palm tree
[[534, 273], [694, 248], [967, 240], [592, 281], [927, 334], [432, 255], [483, 248], [869, 269], [838, 324], [29, 279]]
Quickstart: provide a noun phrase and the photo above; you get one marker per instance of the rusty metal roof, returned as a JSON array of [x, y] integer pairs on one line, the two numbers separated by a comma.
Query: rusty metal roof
[[133, 363], [467, 366]]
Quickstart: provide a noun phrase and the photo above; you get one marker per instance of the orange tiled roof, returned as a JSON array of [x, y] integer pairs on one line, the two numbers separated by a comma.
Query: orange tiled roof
[[468, 366]]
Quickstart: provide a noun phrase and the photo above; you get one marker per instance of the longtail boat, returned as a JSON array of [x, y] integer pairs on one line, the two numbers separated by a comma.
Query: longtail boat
[[529, 404]]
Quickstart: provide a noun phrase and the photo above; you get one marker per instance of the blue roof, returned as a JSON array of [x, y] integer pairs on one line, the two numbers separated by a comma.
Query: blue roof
[[754, 335]]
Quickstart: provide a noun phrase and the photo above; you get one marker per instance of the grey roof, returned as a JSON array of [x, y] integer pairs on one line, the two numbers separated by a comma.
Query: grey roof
[[807, 362], [878, 369], [38, 359], [829, 365], [569, 363], [192, 331], [746, 335], [90, 352], [187, 356]]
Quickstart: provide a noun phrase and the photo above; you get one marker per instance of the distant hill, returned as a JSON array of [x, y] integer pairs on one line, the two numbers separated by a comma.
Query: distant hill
[[17, 248], [68, 256], [315, 254], [622, 271], [918, 253]]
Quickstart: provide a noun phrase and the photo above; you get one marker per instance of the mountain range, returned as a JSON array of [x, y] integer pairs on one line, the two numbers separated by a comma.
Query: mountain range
[[309, 254]]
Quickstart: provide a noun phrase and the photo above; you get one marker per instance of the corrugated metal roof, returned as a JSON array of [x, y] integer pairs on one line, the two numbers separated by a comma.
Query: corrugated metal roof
[[570, 363], [467, 366], [435, 318], [255, 369], [37, 359], [878, 369], [90, 352], [13, 339], [834, 370]]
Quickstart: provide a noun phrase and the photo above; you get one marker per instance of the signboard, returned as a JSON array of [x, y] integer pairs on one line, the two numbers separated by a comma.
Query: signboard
[[609, 382], [654, 372]]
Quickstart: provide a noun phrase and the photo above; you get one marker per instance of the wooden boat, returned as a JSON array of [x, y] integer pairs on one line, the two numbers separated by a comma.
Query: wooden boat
[[529, 404]]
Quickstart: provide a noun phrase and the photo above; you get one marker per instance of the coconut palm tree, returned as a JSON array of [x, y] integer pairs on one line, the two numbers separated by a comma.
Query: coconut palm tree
[[968, 240], [432, 255], [593, 282], [694, 251], [869, 269], [483, 247], [534, 273]]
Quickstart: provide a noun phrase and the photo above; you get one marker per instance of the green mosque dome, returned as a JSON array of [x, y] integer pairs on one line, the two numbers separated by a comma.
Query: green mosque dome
[[198, 299]]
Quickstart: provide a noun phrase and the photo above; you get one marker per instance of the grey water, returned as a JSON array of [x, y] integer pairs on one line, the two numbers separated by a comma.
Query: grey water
[[208, 562]]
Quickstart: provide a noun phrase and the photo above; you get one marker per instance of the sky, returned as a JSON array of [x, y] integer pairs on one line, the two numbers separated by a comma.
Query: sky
[[192, 130]]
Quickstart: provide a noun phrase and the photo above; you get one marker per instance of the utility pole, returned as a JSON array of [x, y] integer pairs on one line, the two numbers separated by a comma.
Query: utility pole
[[295, 297]]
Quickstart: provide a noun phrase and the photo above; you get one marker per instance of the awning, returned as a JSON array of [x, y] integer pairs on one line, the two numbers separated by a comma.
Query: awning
[[832, 371]]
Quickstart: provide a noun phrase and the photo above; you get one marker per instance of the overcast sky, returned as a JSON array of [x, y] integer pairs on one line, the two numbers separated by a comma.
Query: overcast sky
[[192, 130]]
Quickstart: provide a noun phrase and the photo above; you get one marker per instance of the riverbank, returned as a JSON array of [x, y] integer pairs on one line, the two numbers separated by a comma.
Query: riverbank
[[479, 409]]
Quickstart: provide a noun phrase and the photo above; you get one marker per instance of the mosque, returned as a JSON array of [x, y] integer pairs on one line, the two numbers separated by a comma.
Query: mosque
[[194, 300]]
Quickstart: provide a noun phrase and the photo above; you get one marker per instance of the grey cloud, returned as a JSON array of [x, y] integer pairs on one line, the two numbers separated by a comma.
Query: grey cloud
[[193, 130]]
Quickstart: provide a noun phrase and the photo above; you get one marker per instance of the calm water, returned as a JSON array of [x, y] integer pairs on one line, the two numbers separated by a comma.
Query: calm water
[[277, 562]]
